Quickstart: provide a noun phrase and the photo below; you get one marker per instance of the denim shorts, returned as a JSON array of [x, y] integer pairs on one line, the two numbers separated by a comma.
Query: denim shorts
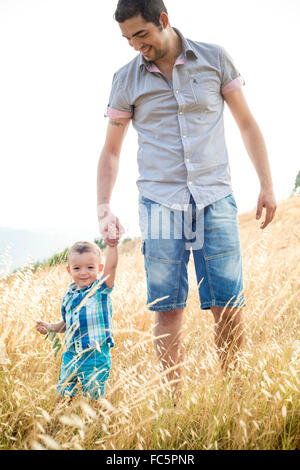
[[89, 368], [212, 234]]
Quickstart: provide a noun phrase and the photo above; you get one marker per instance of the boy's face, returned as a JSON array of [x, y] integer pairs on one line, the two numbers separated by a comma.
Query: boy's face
[[84, 268]]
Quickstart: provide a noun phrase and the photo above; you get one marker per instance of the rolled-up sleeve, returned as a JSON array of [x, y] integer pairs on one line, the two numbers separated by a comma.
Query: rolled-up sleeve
[[230, 76], [118, 106], [104, 289]]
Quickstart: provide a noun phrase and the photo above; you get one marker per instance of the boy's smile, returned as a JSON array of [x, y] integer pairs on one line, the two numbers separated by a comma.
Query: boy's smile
[[84, 268]]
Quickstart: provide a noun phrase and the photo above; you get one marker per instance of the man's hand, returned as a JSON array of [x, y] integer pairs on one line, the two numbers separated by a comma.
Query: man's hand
[[266, 200], [110, 227]]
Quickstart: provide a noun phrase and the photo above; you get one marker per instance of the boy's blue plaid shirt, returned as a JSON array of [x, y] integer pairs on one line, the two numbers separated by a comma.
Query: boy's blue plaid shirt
[[91, 326]]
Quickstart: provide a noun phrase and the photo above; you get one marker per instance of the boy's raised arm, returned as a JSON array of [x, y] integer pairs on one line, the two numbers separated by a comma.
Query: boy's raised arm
[[110, 265]]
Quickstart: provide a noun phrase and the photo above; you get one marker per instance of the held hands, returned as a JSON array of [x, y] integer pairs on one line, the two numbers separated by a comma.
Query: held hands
[[110, 227], [266, 200], [42, 327]]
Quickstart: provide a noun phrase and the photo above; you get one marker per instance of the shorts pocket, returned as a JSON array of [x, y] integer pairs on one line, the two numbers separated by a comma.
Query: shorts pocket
[[162, 280], [230, 198]]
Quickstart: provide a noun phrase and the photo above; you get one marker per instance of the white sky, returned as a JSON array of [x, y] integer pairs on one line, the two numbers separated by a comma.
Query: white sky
[[57, 61]]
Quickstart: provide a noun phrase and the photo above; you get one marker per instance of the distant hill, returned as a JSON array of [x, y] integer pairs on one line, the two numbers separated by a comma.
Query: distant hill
[[20, 247], [24, 246]]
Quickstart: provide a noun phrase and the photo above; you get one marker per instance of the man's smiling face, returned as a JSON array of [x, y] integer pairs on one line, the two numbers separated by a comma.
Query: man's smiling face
[[147, 38]]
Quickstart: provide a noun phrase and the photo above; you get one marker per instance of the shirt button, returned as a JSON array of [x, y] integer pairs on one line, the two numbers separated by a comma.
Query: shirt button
[[180, 112], [187, 159], [177, 91], [190, 183]]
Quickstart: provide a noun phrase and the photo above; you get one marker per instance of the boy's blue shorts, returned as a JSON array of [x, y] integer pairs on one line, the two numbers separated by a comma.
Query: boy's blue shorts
[[213, 235], [90, 368]]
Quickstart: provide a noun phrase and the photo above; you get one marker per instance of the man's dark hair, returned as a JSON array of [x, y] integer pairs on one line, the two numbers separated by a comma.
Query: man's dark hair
[[150, 10]]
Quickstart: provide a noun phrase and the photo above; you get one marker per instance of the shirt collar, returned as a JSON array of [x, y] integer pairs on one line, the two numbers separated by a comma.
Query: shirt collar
[[187, 52]]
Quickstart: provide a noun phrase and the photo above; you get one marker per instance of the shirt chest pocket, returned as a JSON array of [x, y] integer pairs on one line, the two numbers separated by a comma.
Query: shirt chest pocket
[[205, 87]]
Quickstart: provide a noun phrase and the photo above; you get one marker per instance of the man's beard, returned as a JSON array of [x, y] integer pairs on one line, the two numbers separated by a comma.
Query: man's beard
[[156, 55]]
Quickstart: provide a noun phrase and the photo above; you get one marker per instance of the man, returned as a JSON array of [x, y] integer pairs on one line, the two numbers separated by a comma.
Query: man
[[174, 92]]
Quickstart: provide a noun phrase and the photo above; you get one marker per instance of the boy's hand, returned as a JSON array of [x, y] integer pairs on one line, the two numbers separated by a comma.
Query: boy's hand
[[110, 227], [114, 236], [42, 327]]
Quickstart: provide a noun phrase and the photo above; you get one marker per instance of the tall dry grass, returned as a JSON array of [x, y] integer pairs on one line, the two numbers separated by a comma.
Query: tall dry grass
[[257, 410]]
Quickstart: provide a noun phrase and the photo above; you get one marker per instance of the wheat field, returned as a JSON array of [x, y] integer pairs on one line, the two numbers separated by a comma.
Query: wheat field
[[259, 411]]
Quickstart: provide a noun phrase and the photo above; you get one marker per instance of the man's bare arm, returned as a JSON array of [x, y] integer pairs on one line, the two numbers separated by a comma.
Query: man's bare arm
[[109, 159], [108, 168], [256, 148]]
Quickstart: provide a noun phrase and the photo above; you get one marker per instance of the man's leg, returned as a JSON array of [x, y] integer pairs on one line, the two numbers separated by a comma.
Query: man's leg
[[168, 348], [219, 274], [166, 259], [229, 334]]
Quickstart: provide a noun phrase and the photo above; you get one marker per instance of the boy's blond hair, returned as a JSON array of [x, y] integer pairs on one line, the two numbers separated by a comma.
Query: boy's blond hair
[[84, 247]]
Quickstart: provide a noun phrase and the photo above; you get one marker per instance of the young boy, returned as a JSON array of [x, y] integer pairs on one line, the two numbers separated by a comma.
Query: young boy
[[86, 312]]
